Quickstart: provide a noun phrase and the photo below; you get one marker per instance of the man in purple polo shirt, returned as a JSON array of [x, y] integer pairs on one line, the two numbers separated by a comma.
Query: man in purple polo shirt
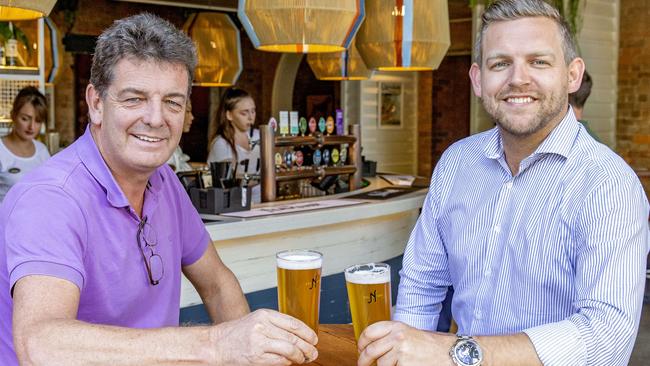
[[92, 245]]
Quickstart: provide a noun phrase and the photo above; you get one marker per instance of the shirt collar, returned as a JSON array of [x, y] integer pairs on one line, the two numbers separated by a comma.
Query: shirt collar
[[559, 141], [92, 159]]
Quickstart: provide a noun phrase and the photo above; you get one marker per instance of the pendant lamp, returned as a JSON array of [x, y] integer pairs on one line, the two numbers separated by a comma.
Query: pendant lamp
[[218, 48], [301, 26], [346, 65], [25, 9], [404, 35]]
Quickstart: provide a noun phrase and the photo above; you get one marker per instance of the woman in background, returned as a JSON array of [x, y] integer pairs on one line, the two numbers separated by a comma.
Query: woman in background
[[179, 161], [234, 138], [19, 152]]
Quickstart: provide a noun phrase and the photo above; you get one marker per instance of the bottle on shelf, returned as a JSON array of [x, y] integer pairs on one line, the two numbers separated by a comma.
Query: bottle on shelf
[[11, 47]]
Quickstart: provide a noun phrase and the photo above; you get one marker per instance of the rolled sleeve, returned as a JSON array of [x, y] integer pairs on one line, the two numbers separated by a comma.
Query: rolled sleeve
[[558, 343], [427, 322]]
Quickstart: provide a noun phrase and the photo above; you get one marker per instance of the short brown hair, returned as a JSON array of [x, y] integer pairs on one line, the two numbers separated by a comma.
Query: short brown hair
[[32, 95], [505, 10], [141, 37], [578, 98]]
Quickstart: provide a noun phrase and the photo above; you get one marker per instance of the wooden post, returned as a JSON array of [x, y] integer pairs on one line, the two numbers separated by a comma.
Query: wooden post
[[355, 157], [267, 140]]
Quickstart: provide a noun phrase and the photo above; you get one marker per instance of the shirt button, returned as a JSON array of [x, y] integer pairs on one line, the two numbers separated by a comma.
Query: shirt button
[[478, 314], [488, 272], [497, 229], [509, 185]]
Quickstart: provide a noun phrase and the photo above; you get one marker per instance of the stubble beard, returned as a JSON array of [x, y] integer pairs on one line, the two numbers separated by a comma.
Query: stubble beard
[[550, 108]]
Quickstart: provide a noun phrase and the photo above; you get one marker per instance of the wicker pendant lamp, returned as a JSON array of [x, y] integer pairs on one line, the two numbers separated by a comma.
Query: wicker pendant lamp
[[404, 35], [346, 65], [301, 26], [25, 9], [218, 47]]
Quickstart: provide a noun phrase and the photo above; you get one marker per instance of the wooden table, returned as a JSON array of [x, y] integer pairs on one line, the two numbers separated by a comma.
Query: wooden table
[[336, 345]]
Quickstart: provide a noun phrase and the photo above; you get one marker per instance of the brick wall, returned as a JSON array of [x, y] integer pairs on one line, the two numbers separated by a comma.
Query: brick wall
[[443, 94], [633, 120], [91, 17]]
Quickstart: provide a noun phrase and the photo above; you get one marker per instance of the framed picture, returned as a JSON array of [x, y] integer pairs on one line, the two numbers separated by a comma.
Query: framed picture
[[390, 105]]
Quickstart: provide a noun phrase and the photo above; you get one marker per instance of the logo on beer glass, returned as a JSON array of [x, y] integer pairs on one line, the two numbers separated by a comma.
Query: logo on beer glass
[[369, 294], [299, 273], [314, 283], [373, 297]]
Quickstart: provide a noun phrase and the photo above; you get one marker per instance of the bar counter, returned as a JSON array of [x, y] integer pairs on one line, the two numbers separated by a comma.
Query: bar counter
[[372, 231]]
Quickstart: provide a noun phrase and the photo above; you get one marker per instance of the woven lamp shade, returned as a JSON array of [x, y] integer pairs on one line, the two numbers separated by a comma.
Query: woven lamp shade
[[218, 48], [301, 26], [404, 35], [346, 65], [25, 9]]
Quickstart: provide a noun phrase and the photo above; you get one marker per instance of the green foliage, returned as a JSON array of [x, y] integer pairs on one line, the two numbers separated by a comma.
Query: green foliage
[[571, 10]]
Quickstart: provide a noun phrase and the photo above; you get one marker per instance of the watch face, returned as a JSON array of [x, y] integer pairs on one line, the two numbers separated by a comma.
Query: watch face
[[468, 353]]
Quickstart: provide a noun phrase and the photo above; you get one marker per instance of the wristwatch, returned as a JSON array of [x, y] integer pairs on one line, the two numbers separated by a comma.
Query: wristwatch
[[466, 352]]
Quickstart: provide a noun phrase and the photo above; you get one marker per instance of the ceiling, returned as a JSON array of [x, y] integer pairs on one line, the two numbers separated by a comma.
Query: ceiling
[[221, 5]]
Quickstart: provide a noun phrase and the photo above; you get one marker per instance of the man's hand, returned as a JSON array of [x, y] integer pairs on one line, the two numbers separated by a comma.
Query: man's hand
[[265, 337], [394, 343]]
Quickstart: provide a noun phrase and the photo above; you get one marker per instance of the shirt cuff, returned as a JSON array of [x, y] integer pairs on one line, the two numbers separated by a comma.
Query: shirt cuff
[[423, 322], [558, 343], [41, 268]]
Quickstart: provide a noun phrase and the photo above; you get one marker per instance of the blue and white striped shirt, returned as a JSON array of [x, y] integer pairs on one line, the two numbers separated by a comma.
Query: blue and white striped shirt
[[558, 251]]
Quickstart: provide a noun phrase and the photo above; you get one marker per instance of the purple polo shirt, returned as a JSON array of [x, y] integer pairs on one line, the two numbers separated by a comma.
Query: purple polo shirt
[[69, 219]]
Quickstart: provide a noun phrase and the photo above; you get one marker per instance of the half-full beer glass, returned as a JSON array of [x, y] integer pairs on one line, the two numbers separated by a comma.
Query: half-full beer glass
[[369, 294], [299, 284]]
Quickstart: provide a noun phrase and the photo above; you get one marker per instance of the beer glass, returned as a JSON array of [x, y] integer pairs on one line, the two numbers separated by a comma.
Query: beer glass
[[369, 294], [299, 284]]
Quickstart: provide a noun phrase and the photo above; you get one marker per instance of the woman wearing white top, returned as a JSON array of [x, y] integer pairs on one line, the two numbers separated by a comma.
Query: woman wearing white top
[[179, 160], [19, 152], [233, 138]]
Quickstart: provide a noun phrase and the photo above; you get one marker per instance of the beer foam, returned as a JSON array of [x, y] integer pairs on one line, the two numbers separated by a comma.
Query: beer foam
[[299, 260], [368, 274]]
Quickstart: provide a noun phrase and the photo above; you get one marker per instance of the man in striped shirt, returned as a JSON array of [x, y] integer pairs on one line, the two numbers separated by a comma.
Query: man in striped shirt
[[541, 230]]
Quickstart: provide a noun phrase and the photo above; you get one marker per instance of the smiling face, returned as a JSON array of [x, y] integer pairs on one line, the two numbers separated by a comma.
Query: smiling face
[[26, 123], [524, 81], [138, 122], [242, 116]]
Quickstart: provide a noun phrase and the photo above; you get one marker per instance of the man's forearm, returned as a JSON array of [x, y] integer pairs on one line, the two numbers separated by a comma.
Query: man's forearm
[[226, 301], [68, 342]]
